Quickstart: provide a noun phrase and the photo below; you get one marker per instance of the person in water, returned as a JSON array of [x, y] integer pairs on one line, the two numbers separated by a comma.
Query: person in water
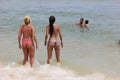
[[27, 32], [55, 39], [86, 24], [81, 22]]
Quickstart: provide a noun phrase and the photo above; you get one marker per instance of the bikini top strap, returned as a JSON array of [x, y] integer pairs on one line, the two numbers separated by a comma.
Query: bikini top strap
[[22, 28]]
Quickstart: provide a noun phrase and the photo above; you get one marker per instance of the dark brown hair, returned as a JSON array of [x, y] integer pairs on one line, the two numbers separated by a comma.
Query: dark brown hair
[[51, 22]]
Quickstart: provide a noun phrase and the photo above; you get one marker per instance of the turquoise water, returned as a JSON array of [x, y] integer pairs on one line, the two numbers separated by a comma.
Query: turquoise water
[[90, 55]]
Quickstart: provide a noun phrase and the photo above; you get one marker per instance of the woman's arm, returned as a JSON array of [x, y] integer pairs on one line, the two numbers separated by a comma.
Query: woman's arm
[[34, 37], [19, 37], [61, 39], [46, 36]]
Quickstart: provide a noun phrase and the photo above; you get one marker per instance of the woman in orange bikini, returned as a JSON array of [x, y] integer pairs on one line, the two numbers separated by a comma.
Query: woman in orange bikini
[[27, 33], [53, 30]]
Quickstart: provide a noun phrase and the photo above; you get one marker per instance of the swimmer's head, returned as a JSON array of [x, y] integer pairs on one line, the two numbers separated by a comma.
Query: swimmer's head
[[81, 20], [86, 21], [27, 20]]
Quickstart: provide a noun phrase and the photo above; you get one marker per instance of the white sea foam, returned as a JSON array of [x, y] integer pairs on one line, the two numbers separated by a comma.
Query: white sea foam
[[16, 71]]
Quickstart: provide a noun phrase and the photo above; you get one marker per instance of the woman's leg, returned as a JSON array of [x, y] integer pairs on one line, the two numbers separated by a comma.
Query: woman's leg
[[57, 52], [49, 51], [31, 52], [25, 52]]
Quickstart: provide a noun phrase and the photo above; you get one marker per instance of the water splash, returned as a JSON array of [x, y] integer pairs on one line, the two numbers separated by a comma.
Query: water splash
[[17, 71]]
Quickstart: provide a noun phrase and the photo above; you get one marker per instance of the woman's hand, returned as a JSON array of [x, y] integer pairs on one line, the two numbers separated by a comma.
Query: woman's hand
[[20, 46], [62, 45], [45, 43]]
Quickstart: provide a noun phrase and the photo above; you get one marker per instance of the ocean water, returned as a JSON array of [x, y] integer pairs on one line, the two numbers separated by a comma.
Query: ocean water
[[89, 55]]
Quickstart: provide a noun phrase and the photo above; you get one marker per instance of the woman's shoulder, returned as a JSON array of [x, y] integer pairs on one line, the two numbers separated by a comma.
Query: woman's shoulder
[[22, 26], [56, 25], [47, 26]]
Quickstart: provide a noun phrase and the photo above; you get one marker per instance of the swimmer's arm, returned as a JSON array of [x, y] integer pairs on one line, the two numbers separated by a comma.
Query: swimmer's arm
[[46, 36], [61, 39], [77, 23], [19, 38]]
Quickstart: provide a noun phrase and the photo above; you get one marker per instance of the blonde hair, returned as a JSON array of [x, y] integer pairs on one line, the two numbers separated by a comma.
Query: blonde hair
[[27, 20]]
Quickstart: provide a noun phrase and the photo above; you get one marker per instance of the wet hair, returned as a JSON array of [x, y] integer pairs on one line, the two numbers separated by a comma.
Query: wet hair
[[27, 20], [51, 22], [86, 21], [81, 20]]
